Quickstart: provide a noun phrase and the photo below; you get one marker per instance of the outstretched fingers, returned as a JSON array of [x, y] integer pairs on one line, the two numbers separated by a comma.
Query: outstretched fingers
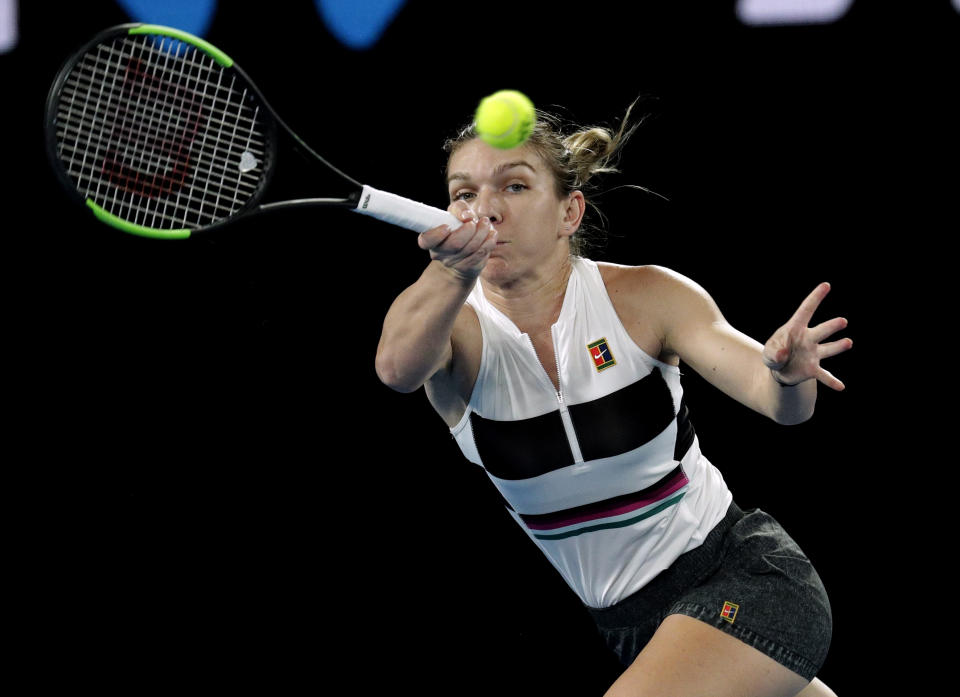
[[828, 379], [833, 348], [809, 306], [828, 328], [796, 350]]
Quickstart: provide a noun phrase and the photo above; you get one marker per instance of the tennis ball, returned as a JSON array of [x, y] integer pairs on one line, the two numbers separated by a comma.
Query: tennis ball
[[505, 119]]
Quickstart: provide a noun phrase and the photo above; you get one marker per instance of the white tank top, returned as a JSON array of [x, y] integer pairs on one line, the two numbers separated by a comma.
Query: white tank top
[[606, 475]]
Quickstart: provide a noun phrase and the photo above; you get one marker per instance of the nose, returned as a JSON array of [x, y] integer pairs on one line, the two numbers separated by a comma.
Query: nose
[[488, 204]]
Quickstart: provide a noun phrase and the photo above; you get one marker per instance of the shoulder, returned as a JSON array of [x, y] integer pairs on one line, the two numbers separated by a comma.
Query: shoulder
[[656, 304], [449, 389], [467, 335], [645, 299], [652, 285], [624, 277]]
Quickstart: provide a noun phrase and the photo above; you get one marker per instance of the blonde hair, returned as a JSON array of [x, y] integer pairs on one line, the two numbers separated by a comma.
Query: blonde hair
[[575, 159]]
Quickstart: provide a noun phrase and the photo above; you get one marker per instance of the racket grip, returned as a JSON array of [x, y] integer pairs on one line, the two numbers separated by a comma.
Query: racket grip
[[401, 211]]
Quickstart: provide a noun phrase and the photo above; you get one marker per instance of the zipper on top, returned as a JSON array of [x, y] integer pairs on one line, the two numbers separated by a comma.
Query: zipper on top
[[564, 412]]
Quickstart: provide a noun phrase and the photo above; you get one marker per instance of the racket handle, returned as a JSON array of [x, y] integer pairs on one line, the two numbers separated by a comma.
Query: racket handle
[[401, 211]]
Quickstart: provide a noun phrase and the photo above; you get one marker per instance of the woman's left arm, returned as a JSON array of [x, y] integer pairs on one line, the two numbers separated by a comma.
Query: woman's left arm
[[778, 379]]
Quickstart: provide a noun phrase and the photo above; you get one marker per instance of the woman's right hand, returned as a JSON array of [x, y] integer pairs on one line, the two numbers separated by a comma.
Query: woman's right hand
[[463, 251]]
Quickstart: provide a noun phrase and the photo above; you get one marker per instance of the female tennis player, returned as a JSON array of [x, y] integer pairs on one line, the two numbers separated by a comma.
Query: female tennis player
[[560, 377]]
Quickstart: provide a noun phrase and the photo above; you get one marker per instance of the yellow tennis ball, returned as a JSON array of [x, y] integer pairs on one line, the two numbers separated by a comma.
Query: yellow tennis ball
[[505, 119]]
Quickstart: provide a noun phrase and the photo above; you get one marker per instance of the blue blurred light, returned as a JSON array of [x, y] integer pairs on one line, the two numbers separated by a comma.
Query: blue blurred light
[[192, 16], [358, 24]]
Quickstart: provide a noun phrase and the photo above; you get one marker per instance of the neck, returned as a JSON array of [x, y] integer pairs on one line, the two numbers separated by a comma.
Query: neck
[[532, 303]]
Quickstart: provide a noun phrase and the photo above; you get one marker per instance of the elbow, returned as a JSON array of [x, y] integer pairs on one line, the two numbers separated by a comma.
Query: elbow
[[391, 376]]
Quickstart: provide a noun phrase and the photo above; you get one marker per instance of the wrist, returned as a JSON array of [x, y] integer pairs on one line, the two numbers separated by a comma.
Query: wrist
[[453, 275], [780, 381]]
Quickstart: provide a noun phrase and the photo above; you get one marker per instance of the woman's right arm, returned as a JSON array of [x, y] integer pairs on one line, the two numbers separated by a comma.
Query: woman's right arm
[[417, 337]]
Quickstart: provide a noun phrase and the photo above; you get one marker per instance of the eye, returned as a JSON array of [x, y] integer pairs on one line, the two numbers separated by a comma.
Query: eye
[[462, 196], [517, 187]]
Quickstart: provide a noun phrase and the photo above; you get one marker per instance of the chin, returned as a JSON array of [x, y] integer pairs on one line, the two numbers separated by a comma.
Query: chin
[[497, 269]]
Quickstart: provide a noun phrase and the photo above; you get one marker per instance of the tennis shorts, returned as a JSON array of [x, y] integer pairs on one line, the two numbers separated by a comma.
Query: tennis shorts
[[748, 579]]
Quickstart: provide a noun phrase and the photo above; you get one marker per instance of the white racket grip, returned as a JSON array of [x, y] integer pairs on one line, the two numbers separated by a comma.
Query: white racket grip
[[401, 211]]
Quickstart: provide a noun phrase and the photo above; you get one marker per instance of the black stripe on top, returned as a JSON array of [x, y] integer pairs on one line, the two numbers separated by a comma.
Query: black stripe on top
[[625, 419], [522, 449], [616, 423], [685, 432]]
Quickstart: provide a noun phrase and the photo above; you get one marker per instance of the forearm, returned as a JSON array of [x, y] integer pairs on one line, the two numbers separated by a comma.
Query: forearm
[[416, 337], [694, 329], [736, 367]]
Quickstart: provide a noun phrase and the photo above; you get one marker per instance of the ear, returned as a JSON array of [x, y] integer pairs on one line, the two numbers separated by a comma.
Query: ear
[[574, 206]]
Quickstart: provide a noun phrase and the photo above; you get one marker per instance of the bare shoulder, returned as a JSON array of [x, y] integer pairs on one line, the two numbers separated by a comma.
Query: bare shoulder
[[449, 389], [467, 343], [633, 279], [636, 293], [652, 300], [651, 287], [644, 279]]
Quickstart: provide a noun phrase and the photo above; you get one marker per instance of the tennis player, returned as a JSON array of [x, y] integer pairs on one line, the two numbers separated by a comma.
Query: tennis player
[[560, 376]]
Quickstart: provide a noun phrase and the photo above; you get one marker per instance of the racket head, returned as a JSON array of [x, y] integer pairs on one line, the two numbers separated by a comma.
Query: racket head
[[159, 133]]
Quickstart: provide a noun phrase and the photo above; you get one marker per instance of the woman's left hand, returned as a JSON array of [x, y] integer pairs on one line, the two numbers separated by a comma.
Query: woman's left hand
[[795, 350]]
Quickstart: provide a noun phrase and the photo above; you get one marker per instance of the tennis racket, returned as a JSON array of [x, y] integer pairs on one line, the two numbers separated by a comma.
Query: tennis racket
[[162, 135]]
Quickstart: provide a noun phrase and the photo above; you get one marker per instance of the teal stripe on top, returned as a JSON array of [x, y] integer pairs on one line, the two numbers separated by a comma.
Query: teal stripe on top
[[616, 524]]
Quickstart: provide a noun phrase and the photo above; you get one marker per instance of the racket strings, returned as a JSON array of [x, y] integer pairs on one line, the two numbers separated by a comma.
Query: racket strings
[[157, 133], [90, 75]]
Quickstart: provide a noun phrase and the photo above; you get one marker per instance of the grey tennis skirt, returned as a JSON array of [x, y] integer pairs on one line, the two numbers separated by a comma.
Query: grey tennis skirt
[[748, 579]]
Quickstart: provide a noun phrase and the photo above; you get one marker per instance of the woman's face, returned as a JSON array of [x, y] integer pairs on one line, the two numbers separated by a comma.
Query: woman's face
[[517, 191]]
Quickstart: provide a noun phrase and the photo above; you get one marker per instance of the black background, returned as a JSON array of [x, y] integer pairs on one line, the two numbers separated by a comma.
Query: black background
[[220, 490]]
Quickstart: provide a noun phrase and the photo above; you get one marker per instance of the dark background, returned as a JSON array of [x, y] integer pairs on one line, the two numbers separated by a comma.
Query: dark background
[[220, 490]]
